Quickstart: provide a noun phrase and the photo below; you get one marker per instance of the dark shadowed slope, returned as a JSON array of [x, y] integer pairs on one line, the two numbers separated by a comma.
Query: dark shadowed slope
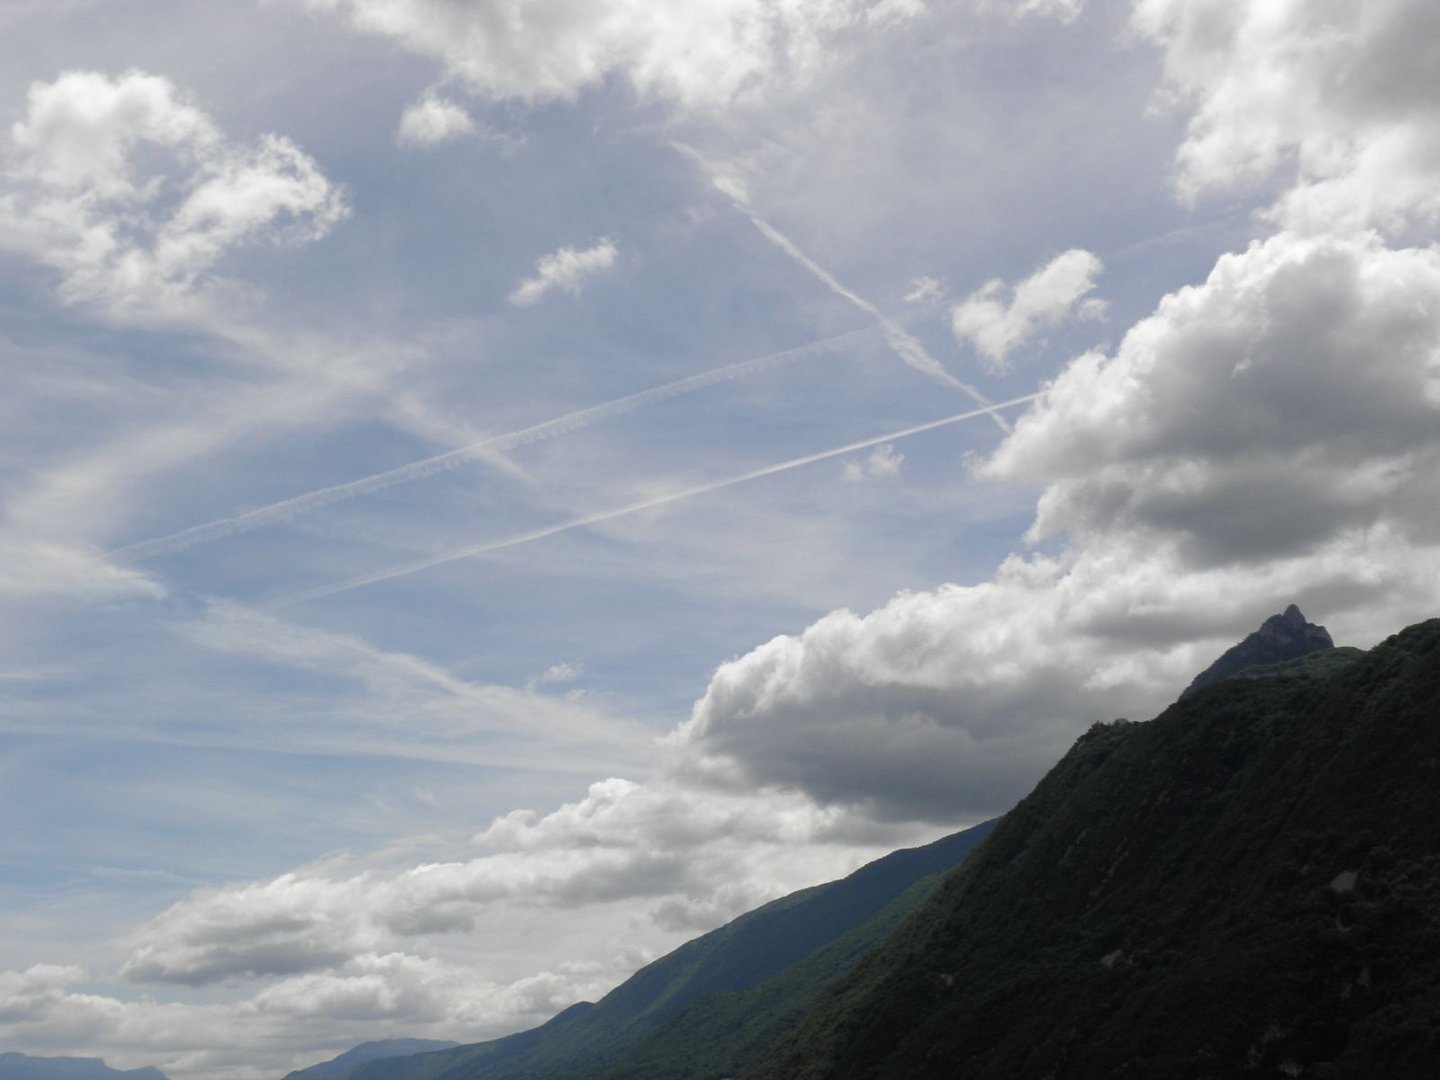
[[1247, 885], [742, 954], [720, 1033]]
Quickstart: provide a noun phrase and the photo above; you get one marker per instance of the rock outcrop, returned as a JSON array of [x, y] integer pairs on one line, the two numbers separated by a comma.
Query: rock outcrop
[[1281, 638]]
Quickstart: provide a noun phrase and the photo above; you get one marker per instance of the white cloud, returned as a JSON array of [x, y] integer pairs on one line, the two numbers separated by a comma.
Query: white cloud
[[696, 56], [567, 270], [35, 566], [1064, 10], [923, 290], [1048, 296], [665, 846], [557, 675], [883, 464], [134, 195], [27, 994], [433, 120], [1344, 95], [1270, 436], [285, 1025], [1292, 398]]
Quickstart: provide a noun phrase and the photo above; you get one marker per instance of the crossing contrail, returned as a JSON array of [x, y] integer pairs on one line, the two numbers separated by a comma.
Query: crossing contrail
[[292, 507], [904, 343], [406, 569]]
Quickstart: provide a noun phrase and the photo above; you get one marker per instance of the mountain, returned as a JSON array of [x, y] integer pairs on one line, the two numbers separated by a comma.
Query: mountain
[[830, 925], [1247, 885], [1281, 638], [24, 1067], [719, 1033], [340, 1067]]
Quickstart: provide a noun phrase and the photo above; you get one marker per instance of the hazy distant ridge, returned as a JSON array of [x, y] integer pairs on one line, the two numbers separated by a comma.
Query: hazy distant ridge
[[25, 1067]]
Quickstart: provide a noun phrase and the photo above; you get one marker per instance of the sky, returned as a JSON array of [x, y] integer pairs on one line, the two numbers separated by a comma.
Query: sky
[[493, 490]]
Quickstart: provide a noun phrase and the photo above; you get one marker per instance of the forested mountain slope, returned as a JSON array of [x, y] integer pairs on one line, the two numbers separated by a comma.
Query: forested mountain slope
[[1247, 885]]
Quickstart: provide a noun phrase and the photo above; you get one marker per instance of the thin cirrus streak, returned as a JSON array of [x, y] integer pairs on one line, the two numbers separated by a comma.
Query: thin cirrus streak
[[292, 507], [904, 344], [600, 516]]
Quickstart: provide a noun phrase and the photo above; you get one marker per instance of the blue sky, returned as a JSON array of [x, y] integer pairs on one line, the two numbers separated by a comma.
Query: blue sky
[[436, 580]]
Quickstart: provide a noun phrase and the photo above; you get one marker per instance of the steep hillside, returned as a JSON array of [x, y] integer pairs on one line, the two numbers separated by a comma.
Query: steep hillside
[[718, 1034], [745, 953], [1247, 885]]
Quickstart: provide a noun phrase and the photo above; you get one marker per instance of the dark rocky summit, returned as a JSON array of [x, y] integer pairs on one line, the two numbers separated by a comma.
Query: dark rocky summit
[[1281, 638]]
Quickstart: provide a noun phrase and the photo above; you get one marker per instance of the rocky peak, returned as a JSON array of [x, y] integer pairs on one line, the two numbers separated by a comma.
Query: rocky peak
[[1287, 636]]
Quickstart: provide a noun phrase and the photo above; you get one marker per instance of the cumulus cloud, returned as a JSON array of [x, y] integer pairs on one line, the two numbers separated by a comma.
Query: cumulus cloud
[[1270, 435], [284, 1025], [883, 464], [689, 854], [567, 270], [25, 995], [1048, 296], [1344, 95], [1292, 398], [696, 56], [134, 195], [433, 120]]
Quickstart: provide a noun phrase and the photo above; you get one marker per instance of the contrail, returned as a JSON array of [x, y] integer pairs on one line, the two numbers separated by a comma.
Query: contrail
[[596, 518], [404, 474], [905, 344]]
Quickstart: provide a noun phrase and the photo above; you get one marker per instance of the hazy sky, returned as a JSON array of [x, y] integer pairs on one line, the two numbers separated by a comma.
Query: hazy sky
[[491, 490]]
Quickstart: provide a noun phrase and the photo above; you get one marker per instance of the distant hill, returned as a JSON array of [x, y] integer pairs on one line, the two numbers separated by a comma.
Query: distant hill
[[1248, 885], [24, 1067], [340, 1067], [845, 917]]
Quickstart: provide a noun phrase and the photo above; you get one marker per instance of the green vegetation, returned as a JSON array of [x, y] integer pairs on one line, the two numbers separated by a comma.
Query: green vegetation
[[1247, 885], [716, 1035], [828, 928]]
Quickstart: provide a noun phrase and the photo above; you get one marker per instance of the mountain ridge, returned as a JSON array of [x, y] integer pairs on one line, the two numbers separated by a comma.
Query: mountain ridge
[[1249, 883], [1279, 640], [17, 1066]]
